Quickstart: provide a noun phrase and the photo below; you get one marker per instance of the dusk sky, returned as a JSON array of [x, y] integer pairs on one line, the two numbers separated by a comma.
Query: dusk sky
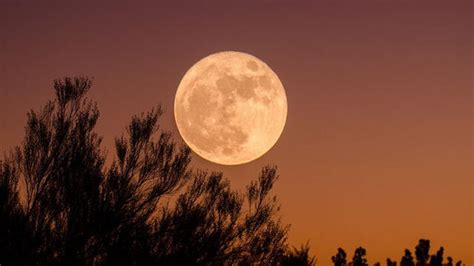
[[377, 148]]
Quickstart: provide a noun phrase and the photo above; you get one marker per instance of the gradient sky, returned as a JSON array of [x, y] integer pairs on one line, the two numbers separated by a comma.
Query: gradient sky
[[377, 150]]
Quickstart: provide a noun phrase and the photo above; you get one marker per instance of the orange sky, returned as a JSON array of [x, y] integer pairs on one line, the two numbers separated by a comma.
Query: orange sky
[[377, 150]]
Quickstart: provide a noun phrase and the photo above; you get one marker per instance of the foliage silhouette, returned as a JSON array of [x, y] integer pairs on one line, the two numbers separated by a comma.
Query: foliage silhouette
[[407, 259], [421, 250], [358, 259], [15, 232], [391, 263], [340, 258], [299, 257], [146, 207], [61, 204], [437, 259]]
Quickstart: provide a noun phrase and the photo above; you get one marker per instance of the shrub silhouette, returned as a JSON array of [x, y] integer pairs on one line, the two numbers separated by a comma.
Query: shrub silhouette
[[146, 206]]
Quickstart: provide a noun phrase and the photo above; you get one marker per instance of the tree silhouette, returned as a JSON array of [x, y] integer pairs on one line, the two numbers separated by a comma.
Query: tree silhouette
[[299, 257], [147, 206], [422, 251], [208, 224], [391, 263], [340, 258], [15, 232], [407, 259], [450, 262], [62, 204], [359, 257], [437, 259]]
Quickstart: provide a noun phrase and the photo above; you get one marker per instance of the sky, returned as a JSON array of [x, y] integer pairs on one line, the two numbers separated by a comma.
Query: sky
[[377, 148]]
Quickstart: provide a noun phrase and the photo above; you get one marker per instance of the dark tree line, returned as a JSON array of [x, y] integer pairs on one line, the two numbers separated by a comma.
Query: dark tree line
[[62, 204], [422, 257]]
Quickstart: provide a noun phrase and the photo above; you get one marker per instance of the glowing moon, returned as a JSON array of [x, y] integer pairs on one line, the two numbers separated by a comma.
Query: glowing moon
[[230, 108]]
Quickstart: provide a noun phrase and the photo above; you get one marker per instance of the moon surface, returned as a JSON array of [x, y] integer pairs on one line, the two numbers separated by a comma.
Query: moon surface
[[230, 108]]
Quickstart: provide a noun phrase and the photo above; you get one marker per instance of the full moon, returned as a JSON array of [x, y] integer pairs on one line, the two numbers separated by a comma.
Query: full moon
[[230, 108]]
